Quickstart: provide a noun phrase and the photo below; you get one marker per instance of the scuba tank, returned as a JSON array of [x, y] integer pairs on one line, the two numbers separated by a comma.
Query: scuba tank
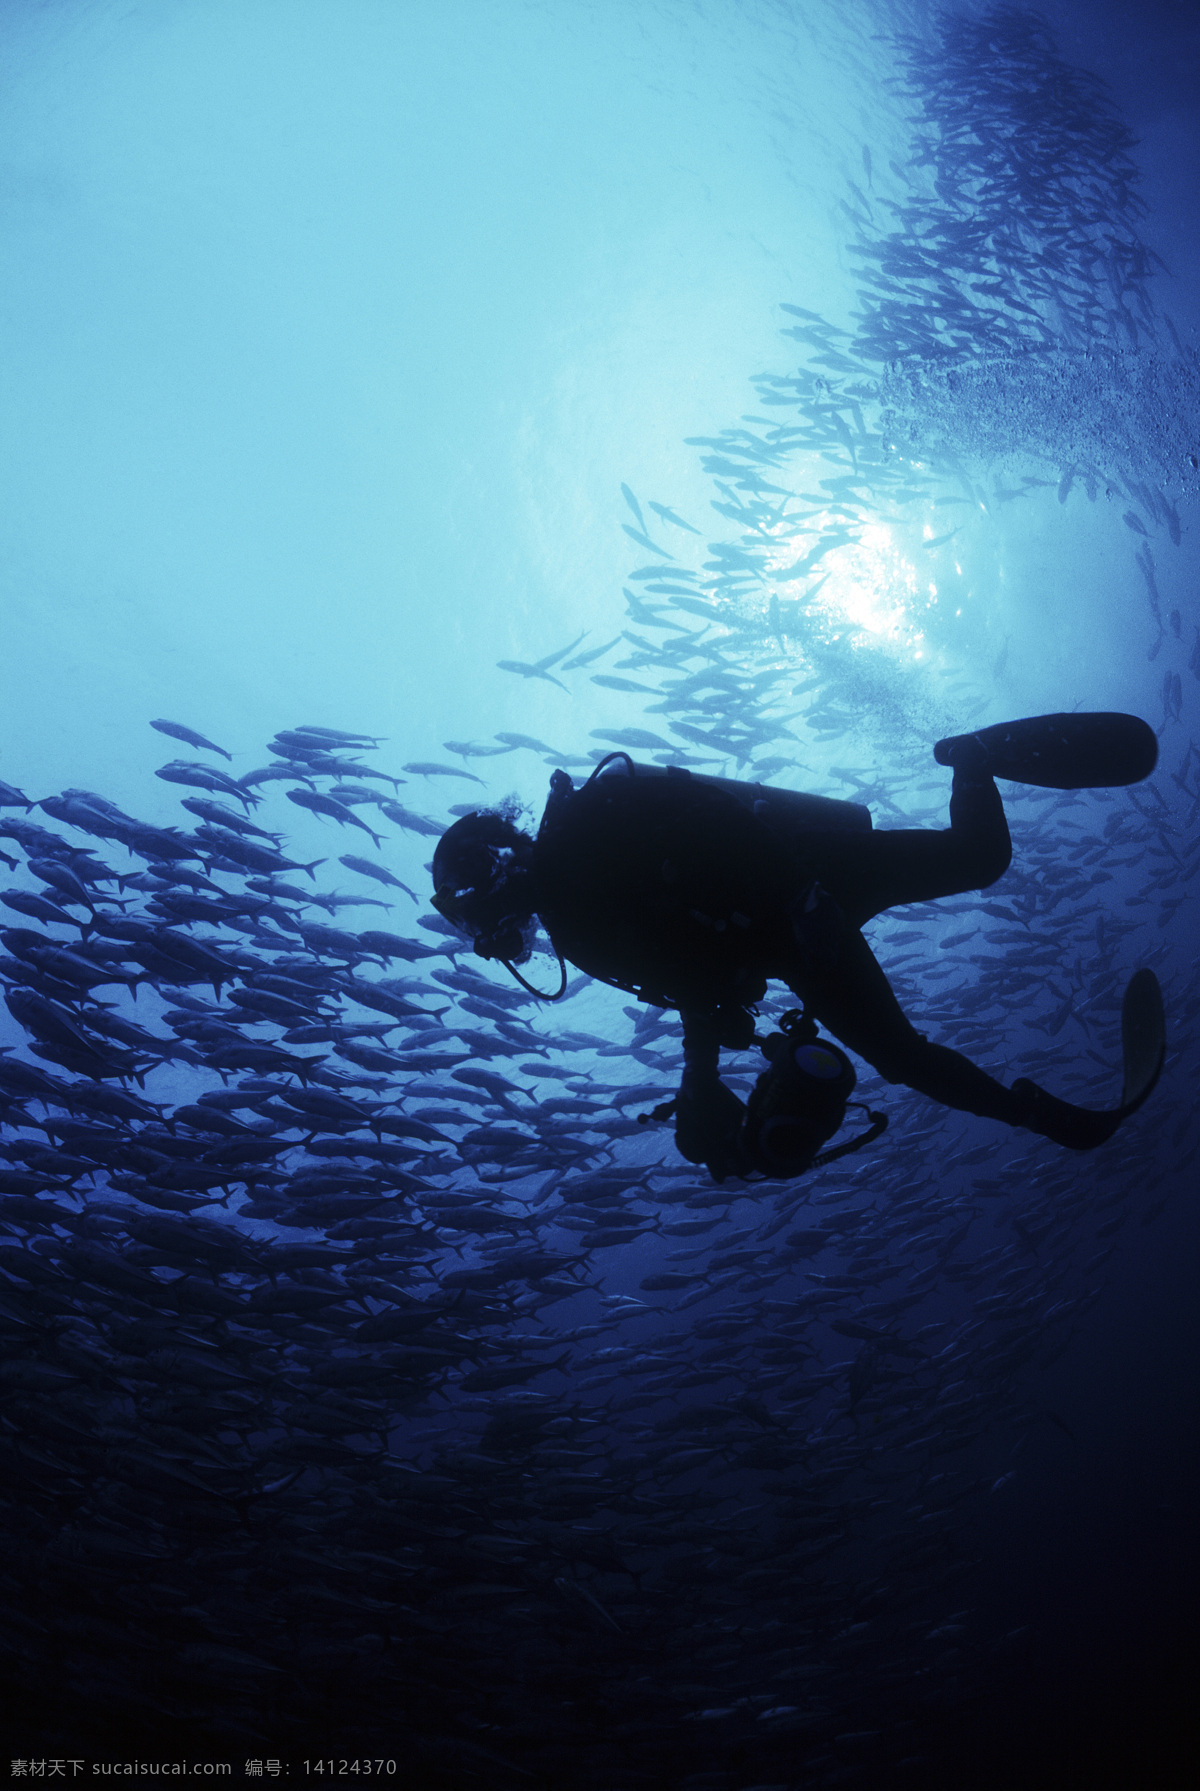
[[783, 811], [769, 833], [799, 1101]]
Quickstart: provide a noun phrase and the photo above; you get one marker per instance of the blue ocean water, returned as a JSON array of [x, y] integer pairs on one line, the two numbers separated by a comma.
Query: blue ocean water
[[831, 375]]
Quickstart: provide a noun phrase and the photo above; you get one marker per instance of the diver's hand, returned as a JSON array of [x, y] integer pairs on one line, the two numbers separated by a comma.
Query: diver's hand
[[708, 1124]]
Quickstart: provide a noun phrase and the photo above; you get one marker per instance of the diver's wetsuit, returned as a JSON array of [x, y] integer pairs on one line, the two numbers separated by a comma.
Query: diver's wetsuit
[[846, 990], [671, 887]]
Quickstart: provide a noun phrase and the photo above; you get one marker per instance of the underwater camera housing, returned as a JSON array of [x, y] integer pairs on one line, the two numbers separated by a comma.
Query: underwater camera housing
[[799, 1102]]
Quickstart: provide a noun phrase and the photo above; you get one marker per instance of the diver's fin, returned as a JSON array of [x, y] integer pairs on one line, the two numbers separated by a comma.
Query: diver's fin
[[1063, 752], [1075, 1128], [1143, 1043], [1143, 1039]]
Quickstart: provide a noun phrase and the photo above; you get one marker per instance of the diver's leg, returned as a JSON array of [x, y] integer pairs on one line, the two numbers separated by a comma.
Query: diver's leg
[[852, 997], [868, 872], [848, 993]]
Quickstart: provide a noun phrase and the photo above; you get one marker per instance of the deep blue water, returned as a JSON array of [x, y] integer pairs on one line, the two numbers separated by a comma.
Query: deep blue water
[[332, 335]]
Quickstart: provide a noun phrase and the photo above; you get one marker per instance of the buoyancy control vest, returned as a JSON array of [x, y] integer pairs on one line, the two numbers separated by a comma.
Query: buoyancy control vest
[[675, 887]]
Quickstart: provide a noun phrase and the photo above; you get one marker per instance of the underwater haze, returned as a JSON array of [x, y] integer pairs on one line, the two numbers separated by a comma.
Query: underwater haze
[[403, 400]]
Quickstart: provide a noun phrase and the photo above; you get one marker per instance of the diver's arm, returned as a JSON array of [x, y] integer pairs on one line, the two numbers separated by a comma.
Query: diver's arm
[[708, 1116], [701, 1052]]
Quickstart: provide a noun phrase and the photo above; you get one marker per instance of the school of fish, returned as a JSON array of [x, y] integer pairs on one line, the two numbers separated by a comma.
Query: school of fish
[[372, 1375]]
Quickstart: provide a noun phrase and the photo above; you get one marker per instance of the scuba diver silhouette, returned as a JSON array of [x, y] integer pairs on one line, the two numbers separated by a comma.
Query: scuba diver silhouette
[[693, 892]]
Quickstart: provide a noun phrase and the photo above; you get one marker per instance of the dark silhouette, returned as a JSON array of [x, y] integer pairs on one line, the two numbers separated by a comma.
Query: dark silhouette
[[694, 893]]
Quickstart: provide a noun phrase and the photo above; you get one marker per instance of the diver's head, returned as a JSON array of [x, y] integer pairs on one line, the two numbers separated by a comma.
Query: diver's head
[[483, 884]]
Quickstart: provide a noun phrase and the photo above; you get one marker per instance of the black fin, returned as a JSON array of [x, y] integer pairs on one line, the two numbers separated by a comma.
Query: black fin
[[1064, 752], [1143, 1038], [1143, 1041]]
